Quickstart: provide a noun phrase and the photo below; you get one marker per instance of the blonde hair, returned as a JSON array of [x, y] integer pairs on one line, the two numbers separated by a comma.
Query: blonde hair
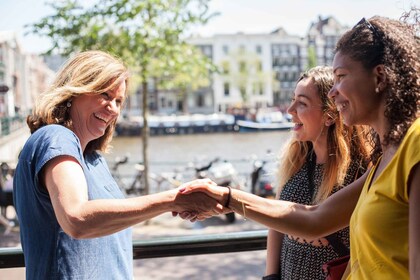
[[89, 72], [343, 144]]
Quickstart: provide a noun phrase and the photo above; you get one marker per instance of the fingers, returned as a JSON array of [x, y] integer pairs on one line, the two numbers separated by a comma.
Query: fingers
[[186, 215], [198, 185]]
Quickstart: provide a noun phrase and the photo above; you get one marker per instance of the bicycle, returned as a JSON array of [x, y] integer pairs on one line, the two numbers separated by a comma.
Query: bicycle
[[6, 196], [135, 187]]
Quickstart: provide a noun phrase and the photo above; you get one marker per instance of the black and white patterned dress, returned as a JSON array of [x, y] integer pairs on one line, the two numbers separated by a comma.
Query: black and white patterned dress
[[300, 259]]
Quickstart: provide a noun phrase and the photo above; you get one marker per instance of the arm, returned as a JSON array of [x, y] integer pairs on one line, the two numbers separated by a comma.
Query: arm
[[301, 220], [274, 243], [414, 222], [79, 217]]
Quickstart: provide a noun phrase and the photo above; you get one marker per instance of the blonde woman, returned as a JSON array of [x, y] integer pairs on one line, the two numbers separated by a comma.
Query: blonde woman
[[74, 220], [322, 157]]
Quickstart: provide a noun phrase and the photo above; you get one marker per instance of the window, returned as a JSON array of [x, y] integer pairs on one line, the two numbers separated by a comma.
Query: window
[[258, 49], [225, 49], [162, 102], [226, 89], [200, 100]]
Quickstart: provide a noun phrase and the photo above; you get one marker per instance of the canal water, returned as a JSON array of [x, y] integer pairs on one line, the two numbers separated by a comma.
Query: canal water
[[170, 152]]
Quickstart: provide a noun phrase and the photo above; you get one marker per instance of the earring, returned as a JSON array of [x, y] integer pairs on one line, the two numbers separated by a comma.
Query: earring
[[377, 90], [68, 104]]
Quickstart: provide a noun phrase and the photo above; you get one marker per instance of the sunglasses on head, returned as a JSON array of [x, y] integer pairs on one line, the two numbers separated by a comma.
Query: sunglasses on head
[[366, 23]]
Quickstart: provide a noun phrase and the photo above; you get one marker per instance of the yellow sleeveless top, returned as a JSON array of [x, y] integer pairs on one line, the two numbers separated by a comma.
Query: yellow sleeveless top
[[379, 223]]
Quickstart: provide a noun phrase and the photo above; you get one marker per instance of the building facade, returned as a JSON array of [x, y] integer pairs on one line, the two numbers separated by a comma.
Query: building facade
[[22, 77], [261, 70]]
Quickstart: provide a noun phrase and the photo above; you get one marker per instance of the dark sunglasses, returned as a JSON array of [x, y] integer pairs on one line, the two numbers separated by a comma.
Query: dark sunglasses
[[365, 22]]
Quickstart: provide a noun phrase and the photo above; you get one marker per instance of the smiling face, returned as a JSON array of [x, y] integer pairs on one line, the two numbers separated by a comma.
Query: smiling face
[[307, 114], [91, 114], [354, 92]]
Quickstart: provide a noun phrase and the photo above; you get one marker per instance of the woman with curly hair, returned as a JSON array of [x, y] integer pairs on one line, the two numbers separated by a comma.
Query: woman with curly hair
[[376, 73]]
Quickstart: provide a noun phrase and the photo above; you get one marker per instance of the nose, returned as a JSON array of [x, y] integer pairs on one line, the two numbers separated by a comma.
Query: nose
[[291, 109], [113, 107], [332, 93]]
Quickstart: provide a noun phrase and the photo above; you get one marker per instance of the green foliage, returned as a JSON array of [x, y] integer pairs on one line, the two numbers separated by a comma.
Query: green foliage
[[249, 77], [142, 32], [190, 69], [139, 31], [312, 60]]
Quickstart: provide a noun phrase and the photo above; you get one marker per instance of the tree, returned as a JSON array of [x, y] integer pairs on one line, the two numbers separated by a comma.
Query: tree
[[244, 70], [139, 31], [191, 71], [312, 60]]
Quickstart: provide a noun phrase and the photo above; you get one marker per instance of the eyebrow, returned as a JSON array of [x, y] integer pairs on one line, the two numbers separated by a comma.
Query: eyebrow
[[303, 95]]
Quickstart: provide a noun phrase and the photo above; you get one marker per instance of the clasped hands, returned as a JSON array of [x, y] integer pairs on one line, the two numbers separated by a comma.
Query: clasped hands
[[201, 199]]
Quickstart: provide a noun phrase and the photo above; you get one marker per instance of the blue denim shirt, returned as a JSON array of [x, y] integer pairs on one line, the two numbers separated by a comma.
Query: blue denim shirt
[[49, 252]]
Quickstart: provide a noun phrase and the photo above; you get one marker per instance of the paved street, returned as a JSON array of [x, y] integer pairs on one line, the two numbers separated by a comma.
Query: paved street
[[243, 265], [230, 266]]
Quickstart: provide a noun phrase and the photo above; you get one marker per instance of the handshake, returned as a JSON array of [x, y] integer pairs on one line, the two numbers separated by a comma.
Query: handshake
[[201, 199]]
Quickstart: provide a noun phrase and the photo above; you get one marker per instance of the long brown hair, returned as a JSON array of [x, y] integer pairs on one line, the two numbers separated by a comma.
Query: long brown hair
[[344, 144]]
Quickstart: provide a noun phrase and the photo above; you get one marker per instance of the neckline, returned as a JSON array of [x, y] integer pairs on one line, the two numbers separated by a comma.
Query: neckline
[[376, 166]]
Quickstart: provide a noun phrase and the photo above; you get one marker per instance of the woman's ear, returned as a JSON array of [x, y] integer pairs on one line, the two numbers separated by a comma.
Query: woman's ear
[[329, 118], [380, 74], [329, 122]]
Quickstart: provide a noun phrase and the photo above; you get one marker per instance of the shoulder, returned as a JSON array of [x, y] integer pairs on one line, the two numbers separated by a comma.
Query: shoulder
[[410, 145], [50, 141], [414, 130], [55, 135], [53, 129]]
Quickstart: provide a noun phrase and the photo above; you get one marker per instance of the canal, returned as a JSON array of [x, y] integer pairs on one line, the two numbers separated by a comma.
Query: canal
[[180, 152]]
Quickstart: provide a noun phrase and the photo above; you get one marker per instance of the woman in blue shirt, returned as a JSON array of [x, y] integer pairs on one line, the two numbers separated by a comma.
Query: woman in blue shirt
[[74, 220]]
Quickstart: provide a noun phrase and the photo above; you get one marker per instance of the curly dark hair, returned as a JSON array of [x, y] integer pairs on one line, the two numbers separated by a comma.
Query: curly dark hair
[[394, 44]]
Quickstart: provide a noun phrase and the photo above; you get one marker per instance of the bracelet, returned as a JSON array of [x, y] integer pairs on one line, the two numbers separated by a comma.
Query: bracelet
[[228, 198], [271, 277], [243, 208]]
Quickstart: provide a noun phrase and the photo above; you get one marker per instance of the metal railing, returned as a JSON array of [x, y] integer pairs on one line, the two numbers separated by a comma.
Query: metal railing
[[172, 246], [10, 124]]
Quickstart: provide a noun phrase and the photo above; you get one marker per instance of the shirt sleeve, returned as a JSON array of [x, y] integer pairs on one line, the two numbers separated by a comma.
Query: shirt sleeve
[[53, 141]]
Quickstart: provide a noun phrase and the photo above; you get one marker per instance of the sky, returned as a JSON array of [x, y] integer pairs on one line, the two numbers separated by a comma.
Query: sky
[[247, 16]]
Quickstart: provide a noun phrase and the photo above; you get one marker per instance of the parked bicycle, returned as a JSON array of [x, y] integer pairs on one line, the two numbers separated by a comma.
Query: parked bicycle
[[134, 186], [130, 187], [6, 196]]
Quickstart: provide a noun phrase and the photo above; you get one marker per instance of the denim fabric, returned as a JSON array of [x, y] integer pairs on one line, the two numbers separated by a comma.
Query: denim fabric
[[49, 252]]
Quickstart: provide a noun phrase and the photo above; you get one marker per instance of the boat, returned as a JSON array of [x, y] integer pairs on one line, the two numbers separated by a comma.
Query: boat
[[177, 124], [249, 126], [265, 119]]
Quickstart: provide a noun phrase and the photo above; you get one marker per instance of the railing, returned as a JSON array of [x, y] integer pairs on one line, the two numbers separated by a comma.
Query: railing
[[172, 246], [11, 124]]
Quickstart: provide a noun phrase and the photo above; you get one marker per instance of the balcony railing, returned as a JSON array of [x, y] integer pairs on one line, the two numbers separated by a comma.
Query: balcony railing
[[172, 246]]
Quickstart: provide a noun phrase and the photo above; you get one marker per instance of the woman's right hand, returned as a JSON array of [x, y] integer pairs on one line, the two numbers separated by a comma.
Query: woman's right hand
[[216, 192]]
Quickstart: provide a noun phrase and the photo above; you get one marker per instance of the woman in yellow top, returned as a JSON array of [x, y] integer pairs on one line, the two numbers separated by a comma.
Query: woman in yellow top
[[376, 69]]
